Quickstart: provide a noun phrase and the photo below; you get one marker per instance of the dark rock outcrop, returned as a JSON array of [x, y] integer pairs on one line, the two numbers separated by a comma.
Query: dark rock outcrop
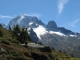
[[33, 35], [52, 25], [37, 56], [65, 31]]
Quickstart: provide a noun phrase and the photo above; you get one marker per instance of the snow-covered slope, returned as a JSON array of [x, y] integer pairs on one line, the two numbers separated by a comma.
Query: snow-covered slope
[[40, 30], [50, 34], [58, 33]]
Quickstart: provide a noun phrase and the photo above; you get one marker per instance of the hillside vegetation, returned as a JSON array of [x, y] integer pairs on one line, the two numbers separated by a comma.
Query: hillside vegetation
[[11, 48]]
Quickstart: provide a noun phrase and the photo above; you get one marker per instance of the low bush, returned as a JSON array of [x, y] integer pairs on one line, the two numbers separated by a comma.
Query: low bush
[[1, 33], [5, 42], [46, 49]]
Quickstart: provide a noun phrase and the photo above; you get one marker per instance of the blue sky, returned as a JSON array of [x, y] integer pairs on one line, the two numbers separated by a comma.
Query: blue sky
[[66, 13]]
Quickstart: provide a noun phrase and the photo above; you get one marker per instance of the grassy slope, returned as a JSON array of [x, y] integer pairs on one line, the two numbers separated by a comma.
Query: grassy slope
[[15, 51], [62, 56]]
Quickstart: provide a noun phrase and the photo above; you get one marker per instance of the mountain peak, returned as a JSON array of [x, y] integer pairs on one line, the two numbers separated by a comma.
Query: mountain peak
[[23, 16], [52, 25], [25, 21]]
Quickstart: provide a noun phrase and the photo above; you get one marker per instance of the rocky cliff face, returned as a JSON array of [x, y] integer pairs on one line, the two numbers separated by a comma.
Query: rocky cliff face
[[33, 35], [65, 31], [52, 25]]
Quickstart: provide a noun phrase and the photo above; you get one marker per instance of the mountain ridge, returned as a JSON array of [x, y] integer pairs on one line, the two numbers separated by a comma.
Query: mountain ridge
[[50, 34], [27, 21]]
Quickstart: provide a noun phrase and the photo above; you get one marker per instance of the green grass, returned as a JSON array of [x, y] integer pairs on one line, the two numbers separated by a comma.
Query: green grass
[[61, 56]]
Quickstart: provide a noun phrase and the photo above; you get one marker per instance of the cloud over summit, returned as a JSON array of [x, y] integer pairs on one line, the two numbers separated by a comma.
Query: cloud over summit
[[2, 16]]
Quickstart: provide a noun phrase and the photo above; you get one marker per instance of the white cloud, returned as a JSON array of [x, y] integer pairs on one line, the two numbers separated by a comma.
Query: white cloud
[[34, 14], [2, 16], [73, 24], [61, 4]]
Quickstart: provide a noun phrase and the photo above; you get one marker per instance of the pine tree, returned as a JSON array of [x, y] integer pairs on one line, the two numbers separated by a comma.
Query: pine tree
[[23, 36], [10, 28], [0, 25], [16, 29]]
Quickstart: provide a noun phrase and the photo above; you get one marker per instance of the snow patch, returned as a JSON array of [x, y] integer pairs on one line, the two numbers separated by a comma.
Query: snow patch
[[73, 35], [21, 18], [30, 23], [40, 31], [58, 33], [36, 24], [29, 28]]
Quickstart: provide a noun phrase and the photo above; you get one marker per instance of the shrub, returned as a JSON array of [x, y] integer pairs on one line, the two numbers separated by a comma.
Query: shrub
[[1, 33], [37, 56], [59, 50], [15, 41], [72, 55], [46, 49], [26, 54], [5, 42]]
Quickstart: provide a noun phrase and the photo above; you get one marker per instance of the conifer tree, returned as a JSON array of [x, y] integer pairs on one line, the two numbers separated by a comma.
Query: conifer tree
[[0, 25], [16, 29], [10, 28]]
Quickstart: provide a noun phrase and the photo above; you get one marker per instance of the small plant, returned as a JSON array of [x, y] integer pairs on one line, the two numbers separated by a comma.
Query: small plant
[[1, 33]]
